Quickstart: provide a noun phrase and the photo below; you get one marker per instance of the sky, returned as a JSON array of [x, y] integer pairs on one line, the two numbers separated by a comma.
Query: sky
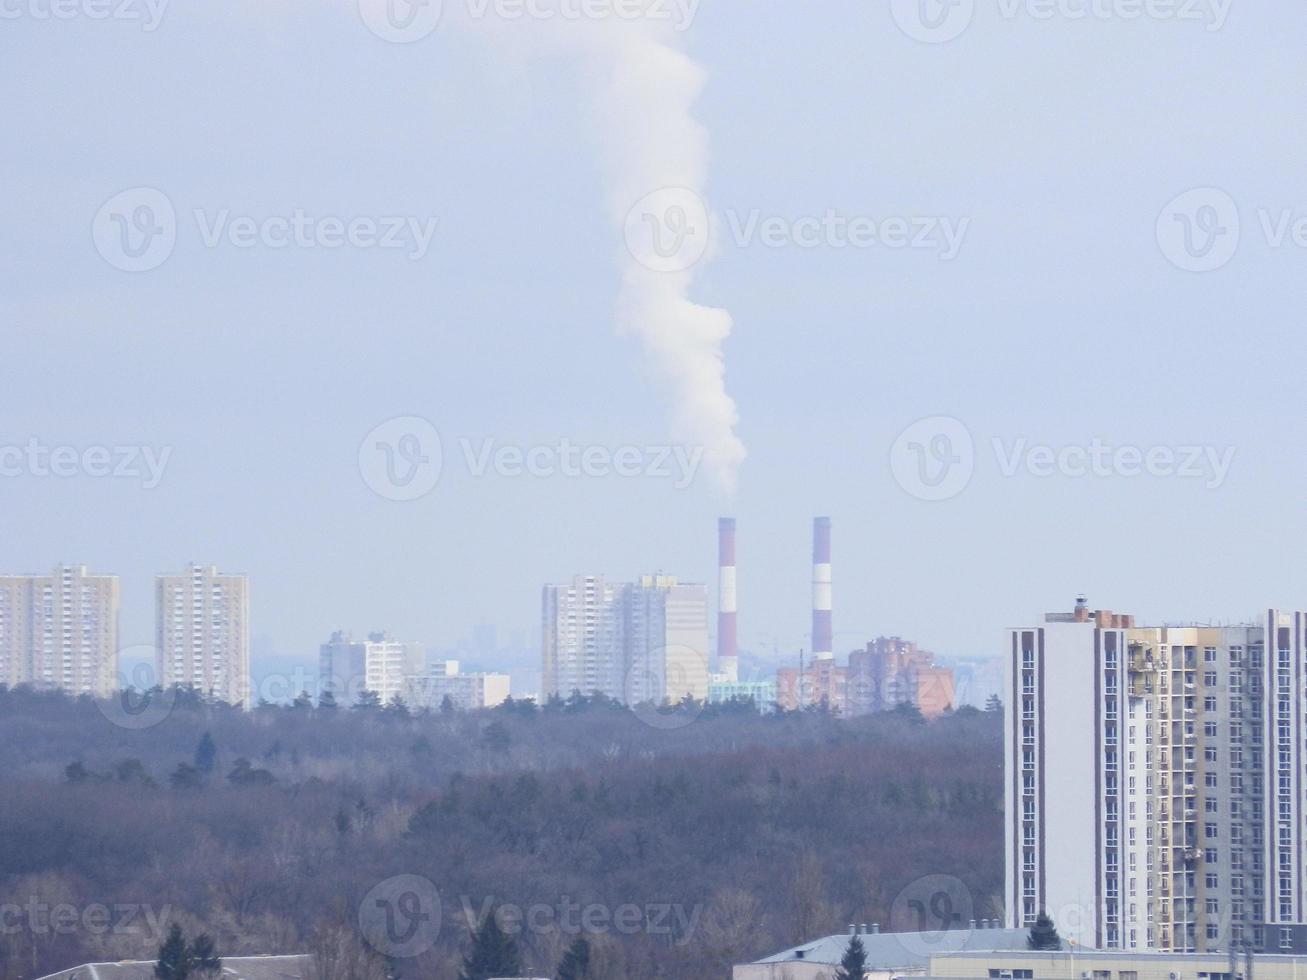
[[1014, 296]]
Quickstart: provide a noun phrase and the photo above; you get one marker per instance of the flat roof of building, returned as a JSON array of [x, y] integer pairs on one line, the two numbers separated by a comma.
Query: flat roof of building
[[904, 950]]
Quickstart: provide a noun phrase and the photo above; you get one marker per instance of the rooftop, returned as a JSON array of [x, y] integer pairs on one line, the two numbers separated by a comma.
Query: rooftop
[[233, 968], [904, 950]]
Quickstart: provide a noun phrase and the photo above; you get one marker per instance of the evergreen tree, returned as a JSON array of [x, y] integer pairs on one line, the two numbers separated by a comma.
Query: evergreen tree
[[854, 964], [368, 701], [174, 957], [1043, 934], [206, 754], [204, 956], [302, 701], [492, 955], [179, 960], [576, 962], [327, 701], [994, 703]]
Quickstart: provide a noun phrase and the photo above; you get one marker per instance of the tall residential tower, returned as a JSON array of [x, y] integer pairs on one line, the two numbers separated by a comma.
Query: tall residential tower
[[202, 632], [1154, 781], [634, 642], [60, 631]]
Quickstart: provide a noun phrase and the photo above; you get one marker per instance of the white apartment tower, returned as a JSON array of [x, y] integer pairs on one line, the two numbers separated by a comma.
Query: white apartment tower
[[380, 664], [633, 642], [202, 632], [60, 631], [1154, 781]]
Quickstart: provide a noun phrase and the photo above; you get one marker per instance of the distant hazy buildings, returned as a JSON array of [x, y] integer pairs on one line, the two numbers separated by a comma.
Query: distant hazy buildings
[[634, 642], [60, 631], [380, 664], [761, 692], [1154, 780], [445, 683], [890, 672], [202, 632]]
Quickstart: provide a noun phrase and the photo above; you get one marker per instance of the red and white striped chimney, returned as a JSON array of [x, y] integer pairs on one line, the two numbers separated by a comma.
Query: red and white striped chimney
[[728, 654], [823, 647]]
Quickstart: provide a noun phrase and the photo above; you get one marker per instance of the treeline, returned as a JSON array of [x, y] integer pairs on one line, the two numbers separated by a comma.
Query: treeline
[[676, 845]]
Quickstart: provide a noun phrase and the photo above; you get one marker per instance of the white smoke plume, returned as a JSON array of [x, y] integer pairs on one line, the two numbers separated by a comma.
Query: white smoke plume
[[642, 96], [657, 165]]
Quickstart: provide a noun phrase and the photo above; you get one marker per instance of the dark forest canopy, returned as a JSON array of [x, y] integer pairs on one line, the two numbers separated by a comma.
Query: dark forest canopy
[[720, 835]]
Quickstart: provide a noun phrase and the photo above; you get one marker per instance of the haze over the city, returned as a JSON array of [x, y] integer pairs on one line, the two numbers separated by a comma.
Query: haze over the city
[[1054, 319]]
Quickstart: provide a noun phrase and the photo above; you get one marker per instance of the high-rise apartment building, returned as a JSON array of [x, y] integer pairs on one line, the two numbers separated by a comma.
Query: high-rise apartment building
[[380, 664], [1154, 781], [60, 631], [634, 642], [202, 632]]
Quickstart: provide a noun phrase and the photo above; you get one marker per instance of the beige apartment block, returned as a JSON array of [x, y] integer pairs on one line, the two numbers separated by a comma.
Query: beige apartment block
[[202, 632], [60, 631]]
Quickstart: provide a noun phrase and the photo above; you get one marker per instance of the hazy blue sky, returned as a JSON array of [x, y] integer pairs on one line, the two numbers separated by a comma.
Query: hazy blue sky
[[1060, 320]]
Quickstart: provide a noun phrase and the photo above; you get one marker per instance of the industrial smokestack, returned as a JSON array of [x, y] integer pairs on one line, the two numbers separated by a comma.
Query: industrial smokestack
[[728, 654], [823, 646]]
